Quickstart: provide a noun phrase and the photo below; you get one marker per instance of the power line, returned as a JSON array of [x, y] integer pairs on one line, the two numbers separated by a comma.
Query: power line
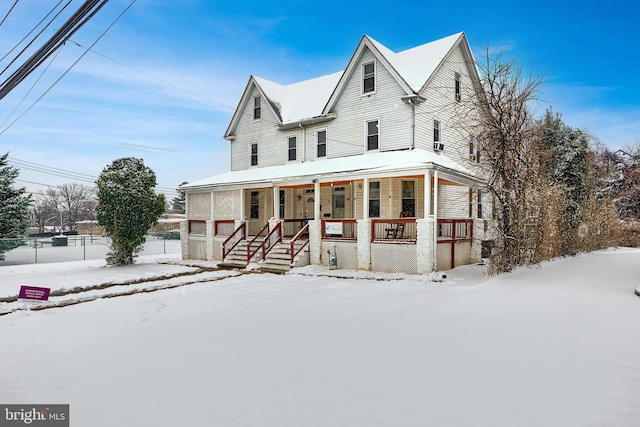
[[9, 12]]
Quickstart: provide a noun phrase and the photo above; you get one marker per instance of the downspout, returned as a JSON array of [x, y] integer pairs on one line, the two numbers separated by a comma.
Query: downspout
[[412, 100]]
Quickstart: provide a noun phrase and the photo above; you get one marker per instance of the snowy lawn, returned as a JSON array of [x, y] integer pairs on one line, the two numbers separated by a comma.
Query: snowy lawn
[[556, 345]]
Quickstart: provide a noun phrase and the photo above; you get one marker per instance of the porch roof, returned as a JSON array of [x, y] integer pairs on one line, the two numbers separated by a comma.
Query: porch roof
[[369, 165]]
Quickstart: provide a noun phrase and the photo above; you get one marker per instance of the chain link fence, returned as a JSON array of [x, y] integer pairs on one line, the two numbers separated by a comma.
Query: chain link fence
[[35, 250]]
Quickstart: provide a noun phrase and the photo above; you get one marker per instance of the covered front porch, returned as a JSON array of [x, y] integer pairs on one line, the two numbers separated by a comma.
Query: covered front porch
[[413, 221]]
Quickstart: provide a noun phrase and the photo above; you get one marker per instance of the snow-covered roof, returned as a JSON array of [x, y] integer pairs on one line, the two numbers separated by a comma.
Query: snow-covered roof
[[369, 163], [417, 64], [307, 99], [301, 100]]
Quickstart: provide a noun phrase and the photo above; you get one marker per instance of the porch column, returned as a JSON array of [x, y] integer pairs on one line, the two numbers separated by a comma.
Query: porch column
[[435, 220], [242, 213], [209, 234], [316, 200], [276, 202], [427, 193], [364, 244], [425, 251], [365, 199], [184, 238]]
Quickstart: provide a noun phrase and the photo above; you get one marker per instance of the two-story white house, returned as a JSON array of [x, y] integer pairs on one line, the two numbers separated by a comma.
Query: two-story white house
[[368, 168]]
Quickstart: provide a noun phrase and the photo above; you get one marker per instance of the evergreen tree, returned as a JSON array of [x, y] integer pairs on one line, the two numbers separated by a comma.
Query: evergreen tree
[[178, 203], [14, 208], [127, 207]]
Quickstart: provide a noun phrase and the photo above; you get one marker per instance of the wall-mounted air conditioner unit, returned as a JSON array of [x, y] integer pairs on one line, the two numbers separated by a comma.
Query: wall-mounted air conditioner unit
[[438, 146]]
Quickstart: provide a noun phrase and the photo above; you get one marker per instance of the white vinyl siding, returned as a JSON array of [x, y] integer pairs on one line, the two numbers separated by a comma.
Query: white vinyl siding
[[441, 105], [453, 201], [353, 109]]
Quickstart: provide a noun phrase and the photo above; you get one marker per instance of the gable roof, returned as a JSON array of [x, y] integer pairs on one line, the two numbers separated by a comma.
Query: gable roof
[[412, 69]]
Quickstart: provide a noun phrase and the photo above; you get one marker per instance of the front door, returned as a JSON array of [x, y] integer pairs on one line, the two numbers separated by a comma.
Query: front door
[[337, 207]]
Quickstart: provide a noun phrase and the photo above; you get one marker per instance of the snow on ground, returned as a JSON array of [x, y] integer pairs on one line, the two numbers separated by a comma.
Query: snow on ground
[[556, 345]]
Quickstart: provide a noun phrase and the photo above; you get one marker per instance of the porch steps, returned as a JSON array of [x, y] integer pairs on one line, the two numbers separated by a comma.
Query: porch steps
[[278, 260], [237, 258]]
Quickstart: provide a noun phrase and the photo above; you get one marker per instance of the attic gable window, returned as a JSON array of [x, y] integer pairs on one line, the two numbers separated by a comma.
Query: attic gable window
[[369, 77], [257, 112], [373, 132], [457, 87]]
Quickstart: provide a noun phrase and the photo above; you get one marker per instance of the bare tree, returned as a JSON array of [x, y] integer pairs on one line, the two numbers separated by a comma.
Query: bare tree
[[511, 167], [62, 206]]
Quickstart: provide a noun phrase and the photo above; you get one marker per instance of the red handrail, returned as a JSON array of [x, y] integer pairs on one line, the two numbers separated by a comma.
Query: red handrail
[[243, 227], [300, 233], [265, 251], [249, 253]]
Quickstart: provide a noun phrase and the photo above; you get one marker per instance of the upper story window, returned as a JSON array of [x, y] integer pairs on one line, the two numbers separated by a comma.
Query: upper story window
[[321, 143], [373, 133], [457, 87], [257, 110], [254, 154], [436, 131], [369, 77], [293, 146]]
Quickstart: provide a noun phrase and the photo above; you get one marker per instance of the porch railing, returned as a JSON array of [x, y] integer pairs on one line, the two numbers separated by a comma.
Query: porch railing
[[223, 227], [232, 241], [268, 243], [455, 230], [197, 226], [339, 229], [262, 233], [303, 231], [292, 226], [393, 230]]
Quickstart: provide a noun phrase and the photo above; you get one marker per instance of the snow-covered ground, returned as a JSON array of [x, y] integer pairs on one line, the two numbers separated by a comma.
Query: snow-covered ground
[[556, 345]]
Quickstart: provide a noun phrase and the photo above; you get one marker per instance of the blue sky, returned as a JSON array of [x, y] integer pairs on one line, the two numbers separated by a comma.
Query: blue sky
[[163, 82]]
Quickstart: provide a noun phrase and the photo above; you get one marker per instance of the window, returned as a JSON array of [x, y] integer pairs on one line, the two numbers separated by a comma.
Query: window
[[409, 197], [293, 146], [470, 203], [254, 154], [321, 139], [282, 205], [374, 199], [436, 131], [257, 113], [472, 147], [479, 203], [254, 208], [369, 77], [457, 87], [372, 134]]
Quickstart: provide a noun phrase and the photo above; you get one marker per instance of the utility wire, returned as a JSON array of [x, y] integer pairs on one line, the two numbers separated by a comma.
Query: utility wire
[[8, 13]]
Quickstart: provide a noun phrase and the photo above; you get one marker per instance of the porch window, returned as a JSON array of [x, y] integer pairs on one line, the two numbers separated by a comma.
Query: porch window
[[257, 111], [458, 96], [282, 200], [470, 203], [373, 130], [436, 131], [374, 199], [293, 146], [254, 208], [321, 140], [368, 77], [409, 198], [254, 154], [479, 203]]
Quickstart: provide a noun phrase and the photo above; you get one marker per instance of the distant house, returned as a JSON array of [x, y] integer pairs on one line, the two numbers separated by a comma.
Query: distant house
[[362, 169]]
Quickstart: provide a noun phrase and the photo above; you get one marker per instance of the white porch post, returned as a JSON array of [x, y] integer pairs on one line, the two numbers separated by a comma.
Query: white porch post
[[316, 200], [276, 202], [365, 199], [184, 238], [425, 249], [435, 220], [209, 244], [242, 213]]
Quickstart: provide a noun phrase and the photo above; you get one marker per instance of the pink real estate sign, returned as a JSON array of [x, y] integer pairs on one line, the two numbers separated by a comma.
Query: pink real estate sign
[[34, 293]]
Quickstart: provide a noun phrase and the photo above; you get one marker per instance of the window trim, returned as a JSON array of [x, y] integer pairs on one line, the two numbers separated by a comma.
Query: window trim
[[252, 154], [257, 109], [369, 76], [318, 131], [294, 149], [457, 87], [437, 136], [367, 135]]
